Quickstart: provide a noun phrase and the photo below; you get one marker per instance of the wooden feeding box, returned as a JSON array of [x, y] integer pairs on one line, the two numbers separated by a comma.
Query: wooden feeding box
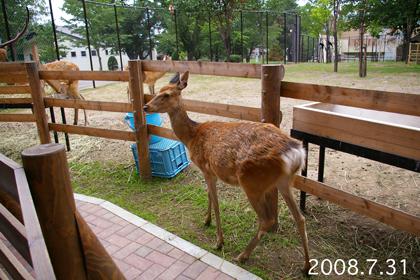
[[392, 133]]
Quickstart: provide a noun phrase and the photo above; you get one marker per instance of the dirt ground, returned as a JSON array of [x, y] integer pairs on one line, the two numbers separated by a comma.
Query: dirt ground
[[379, 182]]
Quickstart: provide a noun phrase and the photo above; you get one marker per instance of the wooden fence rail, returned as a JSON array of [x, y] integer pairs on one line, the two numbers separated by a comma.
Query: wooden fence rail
[[395, 102]]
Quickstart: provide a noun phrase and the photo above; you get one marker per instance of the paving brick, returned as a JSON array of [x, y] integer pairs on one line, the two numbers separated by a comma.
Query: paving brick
[[97, 230], [173, 271], [86, 207], [107, 232], [144, 251], [154, 243], [124, 223], [126, 251], [123, 266], [145, 238], [182, 277], [99, 222], [195, 269], [134, 235], [132, 273], [224, 276], [116, 219], [188, 259], [108, 216], [176, 253], [111, 249], [138, 262], [118, 240], [152, 272], [91, 208], [161, 259], [165, 248], [90, 217], [210, 273], [126, 229]]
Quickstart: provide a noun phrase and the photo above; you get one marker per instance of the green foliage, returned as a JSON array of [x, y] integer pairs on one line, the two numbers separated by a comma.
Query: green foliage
[[276, 53], [235, 58], [175, 55], [112, 63]]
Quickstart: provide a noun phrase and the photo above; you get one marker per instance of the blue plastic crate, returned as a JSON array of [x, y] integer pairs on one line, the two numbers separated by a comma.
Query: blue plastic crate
[[167, 158]]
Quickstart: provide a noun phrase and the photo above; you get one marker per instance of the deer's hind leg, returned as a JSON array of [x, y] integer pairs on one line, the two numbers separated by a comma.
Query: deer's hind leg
[[261, 200], [211, 181], [285, 188]]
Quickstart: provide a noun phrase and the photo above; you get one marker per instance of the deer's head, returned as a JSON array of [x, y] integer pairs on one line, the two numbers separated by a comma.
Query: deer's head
[[169, 97]]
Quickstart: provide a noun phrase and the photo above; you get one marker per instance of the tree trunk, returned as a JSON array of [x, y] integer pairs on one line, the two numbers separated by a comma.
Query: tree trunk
[[327, 46]]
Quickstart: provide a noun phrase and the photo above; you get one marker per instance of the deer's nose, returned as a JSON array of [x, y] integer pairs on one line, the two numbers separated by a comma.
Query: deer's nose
[[145, 108]]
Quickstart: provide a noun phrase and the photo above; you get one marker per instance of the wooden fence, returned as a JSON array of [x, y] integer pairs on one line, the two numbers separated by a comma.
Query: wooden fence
[[271, 87]]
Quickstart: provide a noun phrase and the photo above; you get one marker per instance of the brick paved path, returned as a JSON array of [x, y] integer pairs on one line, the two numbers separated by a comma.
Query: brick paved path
[[144, 251]]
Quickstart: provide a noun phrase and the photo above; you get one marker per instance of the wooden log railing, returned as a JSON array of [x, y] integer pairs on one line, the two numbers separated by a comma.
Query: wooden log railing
[[402, 103], [20, 225]]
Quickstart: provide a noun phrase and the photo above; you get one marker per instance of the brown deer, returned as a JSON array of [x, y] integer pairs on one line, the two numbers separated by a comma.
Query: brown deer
[[3, 52], [70, 88], [256, 156], [150, 78]]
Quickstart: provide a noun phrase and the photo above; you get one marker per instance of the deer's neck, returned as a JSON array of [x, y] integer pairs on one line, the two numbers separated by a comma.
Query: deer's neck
[[183, 127]]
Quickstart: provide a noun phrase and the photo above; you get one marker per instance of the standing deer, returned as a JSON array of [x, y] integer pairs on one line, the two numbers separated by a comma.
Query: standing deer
[[150, 78], [69, 87], [256, 156]]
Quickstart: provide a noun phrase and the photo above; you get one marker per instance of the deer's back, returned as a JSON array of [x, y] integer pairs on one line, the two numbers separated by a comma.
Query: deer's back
[[236, 151]]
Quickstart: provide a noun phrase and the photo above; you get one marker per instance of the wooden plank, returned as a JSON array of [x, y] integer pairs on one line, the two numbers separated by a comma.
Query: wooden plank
[[88, 104], [218, 109], [17, 118], [12, 66], [38, 249], [13, 78], [339, 135], [8, 181], [16, 100], [55, 84], [12, 264], [84, 75], [396, 102], [388, 215], [240, 70], [15, 232], [15, 89], [162, 132], [90, 131]]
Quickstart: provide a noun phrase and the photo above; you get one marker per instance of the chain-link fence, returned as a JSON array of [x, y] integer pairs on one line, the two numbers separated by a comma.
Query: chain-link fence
[[99, 31]]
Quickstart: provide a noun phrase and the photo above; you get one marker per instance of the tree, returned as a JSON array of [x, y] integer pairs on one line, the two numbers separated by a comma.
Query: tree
[[112, 63], [359, 15], [44, 39], [101, 24], [16, 15]]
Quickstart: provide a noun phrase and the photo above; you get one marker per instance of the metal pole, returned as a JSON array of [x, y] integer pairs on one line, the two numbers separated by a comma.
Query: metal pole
[[211, 52], [118, 36], [88, 40], [284, 38], [266, 22], [176, 34], [242, 40], [150, 36], [55, 33]]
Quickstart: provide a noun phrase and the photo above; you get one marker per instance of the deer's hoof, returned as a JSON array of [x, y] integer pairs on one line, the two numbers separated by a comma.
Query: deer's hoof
[[240, 258], [218, 246], [306, 268]]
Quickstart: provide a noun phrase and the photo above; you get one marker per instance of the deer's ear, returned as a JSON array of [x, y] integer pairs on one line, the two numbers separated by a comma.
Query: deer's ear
[[184, 81], [175, 79]]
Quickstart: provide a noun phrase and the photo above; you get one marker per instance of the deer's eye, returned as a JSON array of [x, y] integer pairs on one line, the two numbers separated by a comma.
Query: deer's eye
[[166, 95]]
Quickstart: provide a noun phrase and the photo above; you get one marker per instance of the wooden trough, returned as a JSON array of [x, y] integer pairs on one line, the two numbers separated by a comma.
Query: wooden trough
[[393, 133]]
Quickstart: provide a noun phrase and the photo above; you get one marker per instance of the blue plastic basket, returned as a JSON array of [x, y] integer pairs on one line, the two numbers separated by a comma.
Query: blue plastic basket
[[155, 119], [167, 158]]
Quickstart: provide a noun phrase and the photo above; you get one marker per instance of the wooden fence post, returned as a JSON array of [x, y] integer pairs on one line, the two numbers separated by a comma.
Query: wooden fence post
[[271, 76], [75, 251], [38, 102], [139, 117]]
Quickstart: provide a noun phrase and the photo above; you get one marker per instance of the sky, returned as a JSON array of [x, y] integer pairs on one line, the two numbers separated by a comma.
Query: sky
[[57, 4]]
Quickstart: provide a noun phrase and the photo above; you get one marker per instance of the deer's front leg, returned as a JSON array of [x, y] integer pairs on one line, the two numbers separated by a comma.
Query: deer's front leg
[[212, 195]]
